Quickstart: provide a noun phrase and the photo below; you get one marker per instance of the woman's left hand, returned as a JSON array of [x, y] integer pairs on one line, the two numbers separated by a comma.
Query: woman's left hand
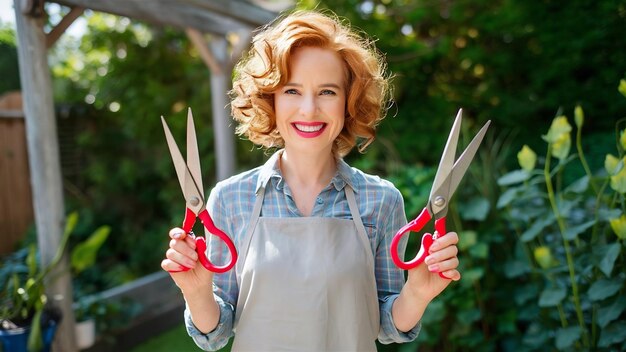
[[442, 258]]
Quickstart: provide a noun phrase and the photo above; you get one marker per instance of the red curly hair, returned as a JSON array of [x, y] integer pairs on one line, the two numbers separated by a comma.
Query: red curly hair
[[266, 68]]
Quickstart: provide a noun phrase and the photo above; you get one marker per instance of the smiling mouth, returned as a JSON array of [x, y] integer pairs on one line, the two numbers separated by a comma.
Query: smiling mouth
[[306, 128]]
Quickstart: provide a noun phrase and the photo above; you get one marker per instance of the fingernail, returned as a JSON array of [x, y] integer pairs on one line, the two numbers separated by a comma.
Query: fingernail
[[433, 268], [177, 235], [429, 260]]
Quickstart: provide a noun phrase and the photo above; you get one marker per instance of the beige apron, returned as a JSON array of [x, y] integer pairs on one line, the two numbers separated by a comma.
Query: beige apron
[[306, 284]]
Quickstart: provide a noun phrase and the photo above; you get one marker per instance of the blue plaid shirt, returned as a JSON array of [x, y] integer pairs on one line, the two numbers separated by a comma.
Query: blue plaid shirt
[[382, 212]]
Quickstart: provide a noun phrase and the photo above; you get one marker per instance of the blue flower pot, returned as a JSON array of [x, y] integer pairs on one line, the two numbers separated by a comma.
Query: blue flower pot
[[16, 340]]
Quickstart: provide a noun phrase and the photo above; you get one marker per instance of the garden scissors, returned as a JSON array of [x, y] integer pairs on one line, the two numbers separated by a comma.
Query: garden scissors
[[190, 179], [447, 179]]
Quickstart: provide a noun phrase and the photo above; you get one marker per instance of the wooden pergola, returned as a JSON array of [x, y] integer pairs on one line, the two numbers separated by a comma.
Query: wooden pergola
[[206, 23]]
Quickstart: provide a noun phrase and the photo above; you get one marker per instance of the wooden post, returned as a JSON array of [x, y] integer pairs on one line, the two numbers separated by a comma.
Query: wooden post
[[222, 126], [44, 161]]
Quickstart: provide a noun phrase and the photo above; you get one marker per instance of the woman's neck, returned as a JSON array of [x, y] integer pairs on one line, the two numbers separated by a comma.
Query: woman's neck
[[310, 171]]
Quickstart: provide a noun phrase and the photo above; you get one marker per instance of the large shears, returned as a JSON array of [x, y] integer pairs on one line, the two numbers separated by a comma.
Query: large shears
[[190, 179], [447, 179]]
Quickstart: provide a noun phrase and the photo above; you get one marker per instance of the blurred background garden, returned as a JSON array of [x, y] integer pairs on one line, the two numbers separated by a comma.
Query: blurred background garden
[[541, 215]]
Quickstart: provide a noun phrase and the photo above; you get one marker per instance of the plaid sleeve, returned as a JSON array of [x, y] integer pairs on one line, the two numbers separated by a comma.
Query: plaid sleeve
[[225, 288], [389, 278]]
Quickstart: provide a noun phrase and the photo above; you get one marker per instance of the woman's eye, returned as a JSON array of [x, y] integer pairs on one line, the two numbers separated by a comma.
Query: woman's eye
[[327, 92], [291, 91]]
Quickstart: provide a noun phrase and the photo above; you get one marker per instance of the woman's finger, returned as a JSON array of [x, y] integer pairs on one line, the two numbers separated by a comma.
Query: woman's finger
[[442, 254], [181, 258], [453, 275], [449, 239], [171, 266], [177, 233]]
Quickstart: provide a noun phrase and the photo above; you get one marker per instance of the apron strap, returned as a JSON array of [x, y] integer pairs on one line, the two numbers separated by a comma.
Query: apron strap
[[254, 219], [356, 217]]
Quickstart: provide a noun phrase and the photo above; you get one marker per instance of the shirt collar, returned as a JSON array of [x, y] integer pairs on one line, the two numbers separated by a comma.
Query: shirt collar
[[345, 174]]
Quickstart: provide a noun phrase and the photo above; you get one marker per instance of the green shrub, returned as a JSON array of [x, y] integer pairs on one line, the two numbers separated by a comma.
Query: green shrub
[[570, 239]]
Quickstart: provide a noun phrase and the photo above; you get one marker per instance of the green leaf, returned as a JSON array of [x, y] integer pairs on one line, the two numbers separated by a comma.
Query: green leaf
[[70, 222], [467, 239], [550, 297], [526, 292], [506, 198], [514, 177], [611, 312], [614, 333], [35, 342], [536, 228], [480, 250], [565, 337], [579, 186], [473, 274], [609, 257], [572, 232], [515, 268], [476, 209], [604, 288], [84, 254], [608, 214], [31, 261]]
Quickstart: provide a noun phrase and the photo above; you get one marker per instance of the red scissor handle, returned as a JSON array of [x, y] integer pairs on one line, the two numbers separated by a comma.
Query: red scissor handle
[[427, 240], [205, 218]]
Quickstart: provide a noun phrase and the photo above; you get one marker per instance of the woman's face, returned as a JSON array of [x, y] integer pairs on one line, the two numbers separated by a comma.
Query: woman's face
[[310, 108]]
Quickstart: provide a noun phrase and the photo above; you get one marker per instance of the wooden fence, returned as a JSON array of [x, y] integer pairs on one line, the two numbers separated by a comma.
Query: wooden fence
[[16, 205]]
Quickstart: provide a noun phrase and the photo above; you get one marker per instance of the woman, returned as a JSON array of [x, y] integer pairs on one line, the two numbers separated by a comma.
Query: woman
[[313, 234]]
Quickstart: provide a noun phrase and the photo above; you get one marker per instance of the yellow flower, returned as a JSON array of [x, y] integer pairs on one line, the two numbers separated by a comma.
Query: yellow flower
[[579, 116], [561, 147], [527, 158], [619, 226], [622, 87], [543, 256], [618, 181], [610, 164], [559, 127]]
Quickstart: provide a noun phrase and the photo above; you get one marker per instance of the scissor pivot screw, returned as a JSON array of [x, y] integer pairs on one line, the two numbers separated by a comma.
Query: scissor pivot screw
[[194, 201], [439, 201]]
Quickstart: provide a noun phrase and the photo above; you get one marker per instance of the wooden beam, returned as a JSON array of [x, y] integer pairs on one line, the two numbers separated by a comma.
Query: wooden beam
[[208, 16], [223, 131], [45, 166], [63, 25], [204, 51]]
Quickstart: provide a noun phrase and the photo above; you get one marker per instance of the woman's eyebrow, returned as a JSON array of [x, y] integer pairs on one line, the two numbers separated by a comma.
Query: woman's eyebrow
[[324, 85]]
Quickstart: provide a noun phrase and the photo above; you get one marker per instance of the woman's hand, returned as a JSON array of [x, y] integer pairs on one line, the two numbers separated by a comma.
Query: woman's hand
[[182, 252], [424, 280]]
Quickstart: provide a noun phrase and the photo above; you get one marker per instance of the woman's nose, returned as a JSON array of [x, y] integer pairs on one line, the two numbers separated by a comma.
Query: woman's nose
[[308, 106]]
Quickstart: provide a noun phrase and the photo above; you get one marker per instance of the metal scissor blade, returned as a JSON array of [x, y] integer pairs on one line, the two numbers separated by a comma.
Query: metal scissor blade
[[447, 158], [464, 161], [193, 156], [177, 158]]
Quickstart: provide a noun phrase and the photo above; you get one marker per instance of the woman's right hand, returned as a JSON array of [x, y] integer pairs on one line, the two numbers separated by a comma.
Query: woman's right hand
[[182, 252]]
